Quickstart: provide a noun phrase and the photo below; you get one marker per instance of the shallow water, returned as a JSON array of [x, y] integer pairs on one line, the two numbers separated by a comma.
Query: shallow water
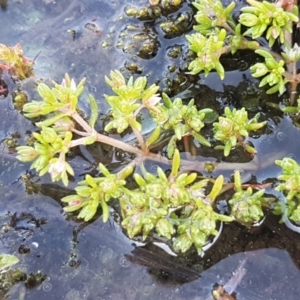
[[97, 261]]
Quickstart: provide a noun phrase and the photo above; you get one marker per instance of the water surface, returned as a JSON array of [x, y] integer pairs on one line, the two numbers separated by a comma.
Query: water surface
[[63, 258]]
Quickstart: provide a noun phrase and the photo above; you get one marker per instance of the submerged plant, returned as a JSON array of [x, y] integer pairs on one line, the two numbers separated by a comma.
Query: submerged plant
[[93, 192], [6, 261], [217, 33], [180, 203], [246, 206], [13, 60], [234, 127], [177, 206], [265, 17], [290, 186]]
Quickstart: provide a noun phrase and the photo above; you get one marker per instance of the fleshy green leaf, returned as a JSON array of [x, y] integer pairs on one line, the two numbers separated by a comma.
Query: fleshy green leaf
[[175, 163], [94, 111], [216, 188], [7, 260]]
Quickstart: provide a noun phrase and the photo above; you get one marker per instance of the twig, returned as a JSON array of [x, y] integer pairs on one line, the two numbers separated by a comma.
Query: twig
[[140, 139], [236, 278]]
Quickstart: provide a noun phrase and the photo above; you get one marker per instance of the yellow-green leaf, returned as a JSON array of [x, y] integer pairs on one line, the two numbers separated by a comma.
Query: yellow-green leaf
[[154, 136], [7, 260], [175, 163], [94, 111]]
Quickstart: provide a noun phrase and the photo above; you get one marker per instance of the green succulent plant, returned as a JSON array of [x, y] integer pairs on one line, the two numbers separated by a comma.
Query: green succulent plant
[[175, 206], [47, 147], [211, 14], [218, 34], [92, 192], [273, 70], [129, 99], [184, 120], [234, 127], [246, 206], [262, 16], [60, 97], [290, 180], [208, 50]]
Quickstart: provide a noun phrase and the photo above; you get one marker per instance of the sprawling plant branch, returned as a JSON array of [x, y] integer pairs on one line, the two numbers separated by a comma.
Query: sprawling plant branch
[[180, 206], [217, 34]]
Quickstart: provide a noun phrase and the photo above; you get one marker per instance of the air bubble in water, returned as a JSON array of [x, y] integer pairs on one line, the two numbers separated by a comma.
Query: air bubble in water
[[281, 136], [47, 287], [124, 262]]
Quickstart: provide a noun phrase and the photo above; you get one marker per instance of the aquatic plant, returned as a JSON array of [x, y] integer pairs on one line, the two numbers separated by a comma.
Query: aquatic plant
[[178, 206], [6, 261], [13, 60], [246, 206], [175, 206], [177, 203], [290, 180], [234, 127], [217, 33]]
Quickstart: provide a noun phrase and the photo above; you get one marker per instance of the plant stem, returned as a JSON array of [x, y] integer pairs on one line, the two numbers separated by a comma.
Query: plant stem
[[140, 139], [78, 142], [138, 135], [75, 115], [82, 133], [294, 79], [186, 165], [118, 144], [226, 26], [186, 143], [103, 138]]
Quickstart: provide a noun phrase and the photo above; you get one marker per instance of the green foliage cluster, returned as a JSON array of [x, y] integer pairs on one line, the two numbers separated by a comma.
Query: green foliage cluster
[[267, 17], [127, 101], [184, 120], [209, 50], [246, 206], [274, 71], [290, 186], [179, 205], [7, 260], [234, 127], [13, 60], [175, 207], [93, 192], [54, 141], [217, 33]]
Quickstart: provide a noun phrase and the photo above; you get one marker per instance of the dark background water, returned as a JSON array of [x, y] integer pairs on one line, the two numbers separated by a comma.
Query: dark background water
[[97, 261]]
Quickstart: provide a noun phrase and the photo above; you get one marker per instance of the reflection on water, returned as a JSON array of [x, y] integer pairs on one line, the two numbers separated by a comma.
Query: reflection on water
[[96, 261], [63, 258]]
